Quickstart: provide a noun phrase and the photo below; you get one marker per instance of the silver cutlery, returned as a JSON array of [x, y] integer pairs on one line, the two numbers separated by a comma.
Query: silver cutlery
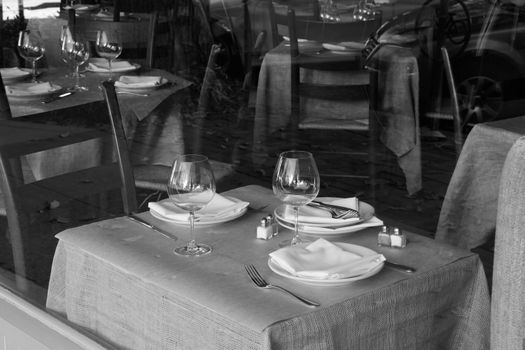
[[405, 268], [338, 212], [132, 93], [261, 283], [56, 97], [143, 222]]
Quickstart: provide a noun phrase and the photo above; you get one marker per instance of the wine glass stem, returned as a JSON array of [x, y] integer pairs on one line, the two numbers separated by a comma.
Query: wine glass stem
[[33, 70], [296, 239], [110, 70], [191, 244], [77, 76]]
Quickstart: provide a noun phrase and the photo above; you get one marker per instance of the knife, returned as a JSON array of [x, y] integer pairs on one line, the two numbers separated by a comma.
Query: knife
[[404, 268], [54, 98], [143, 222]]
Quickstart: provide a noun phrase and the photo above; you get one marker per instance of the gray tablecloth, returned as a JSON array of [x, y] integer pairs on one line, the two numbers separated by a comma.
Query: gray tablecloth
[[397, 105], [468, 215], [122, 282]]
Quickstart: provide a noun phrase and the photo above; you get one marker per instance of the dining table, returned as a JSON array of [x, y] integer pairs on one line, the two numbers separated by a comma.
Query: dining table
[[152, 120], [468, 215], [394, 76], [121, 281]]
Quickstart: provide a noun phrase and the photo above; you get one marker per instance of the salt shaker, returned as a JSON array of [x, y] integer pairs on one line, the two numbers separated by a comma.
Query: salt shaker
[[264, 230], [383, 238], [398, 239], [273, 224]]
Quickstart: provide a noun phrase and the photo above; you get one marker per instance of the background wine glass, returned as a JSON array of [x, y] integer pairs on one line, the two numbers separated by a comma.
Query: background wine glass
[[77, 52], [31, 48], [109, 46], [191, 186], [296, 182]]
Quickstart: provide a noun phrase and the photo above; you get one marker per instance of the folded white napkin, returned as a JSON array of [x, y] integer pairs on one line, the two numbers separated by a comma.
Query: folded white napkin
[[13, 73], [320, 216], [324, 260], [29, 89], [134, 81], [218, 207], [101, 65]]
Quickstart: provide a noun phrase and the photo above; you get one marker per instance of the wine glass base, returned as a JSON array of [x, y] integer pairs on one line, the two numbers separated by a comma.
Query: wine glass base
[[200, 249]]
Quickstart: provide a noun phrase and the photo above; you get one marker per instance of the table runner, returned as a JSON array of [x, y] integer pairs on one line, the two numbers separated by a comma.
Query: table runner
[[397, 104], [122, 282], [468, 214]]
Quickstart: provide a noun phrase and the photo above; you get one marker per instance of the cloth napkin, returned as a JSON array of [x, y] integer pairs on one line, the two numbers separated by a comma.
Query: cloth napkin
[[13, 73], [218, 207], [27, 89], [133, 81], [324, 260], [320, 216], [102, 65]]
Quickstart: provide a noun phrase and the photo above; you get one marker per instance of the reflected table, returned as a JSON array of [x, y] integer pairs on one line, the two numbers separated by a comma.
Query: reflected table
[[122, 282], [395, 108], [468, 215]]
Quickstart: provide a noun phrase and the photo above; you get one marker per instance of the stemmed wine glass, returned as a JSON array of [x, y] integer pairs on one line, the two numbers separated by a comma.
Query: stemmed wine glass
[[109, 46], [191, 187], [296, 182], [77, 53], [31, 48]]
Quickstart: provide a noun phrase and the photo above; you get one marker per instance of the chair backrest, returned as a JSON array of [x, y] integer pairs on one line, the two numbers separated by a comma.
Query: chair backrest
[[508, 281], [5, 110], [456, 116]]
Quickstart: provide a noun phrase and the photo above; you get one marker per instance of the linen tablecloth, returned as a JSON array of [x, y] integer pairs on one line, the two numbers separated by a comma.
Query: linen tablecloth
[[397, 105], [468, 214], [122, 282]]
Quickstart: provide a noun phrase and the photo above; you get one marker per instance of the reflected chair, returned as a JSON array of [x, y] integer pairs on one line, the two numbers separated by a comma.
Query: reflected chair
[[154, 178], [32, 207], [508, 281], [358, 115]]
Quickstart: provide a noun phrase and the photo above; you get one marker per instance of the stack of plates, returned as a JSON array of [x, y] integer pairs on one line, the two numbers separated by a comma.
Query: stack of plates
[[353, 248], [328, 226]]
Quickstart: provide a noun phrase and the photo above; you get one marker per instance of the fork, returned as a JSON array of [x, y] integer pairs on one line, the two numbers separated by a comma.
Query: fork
[[261, 283], [337, 212]]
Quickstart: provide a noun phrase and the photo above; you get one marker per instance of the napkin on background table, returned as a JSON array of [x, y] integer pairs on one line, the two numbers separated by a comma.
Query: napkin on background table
[[319, 216], [13, 73], [29, 88], [324, 260], [218, 207], [101, 65], [135, 81]]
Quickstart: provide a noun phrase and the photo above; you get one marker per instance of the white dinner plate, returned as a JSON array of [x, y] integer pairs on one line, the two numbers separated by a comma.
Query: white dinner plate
[[366, 212], [205, 221], [353, 248], [332, 231], [143, 89], [132, 68], [26, 95]]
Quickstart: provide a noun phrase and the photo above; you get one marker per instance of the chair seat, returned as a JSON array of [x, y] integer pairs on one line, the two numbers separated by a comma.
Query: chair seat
[[155, 177]]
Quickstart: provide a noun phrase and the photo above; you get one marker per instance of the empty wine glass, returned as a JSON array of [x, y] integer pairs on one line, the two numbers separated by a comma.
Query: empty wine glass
[[191, 187], [296, 182], [31, 48], [77, 53], [65, 33], [109, 46]]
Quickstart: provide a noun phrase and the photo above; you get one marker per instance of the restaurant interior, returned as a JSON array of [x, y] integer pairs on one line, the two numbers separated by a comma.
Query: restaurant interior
[[164, 163]]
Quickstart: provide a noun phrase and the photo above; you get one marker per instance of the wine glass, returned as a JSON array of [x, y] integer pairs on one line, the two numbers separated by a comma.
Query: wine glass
[[296, 182], [77, 53], [31, 48], [191, 186], [109, 46]]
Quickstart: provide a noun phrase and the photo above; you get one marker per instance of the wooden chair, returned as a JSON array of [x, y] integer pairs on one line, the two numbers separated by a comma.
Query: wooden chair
[[360, 115], [29, 204], [155, 177], [508, 281]]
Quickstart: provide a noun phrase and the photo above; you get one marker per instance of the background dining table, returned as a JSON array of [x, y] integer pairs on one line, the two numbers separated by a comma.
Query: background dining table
[[468, 214], [121, 281], [153, 123], [396, 110]]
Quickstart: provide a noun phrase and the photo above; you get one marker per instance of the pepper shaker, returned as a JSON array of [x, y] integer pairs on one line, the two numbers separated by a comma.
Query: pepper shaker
[[383, 238], [398, 239], [264, 230]]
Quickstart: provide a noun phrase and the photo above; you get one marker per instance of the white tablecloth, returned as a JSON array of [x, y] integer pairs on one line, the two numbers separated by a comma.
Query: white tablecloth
[[122, 282]]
